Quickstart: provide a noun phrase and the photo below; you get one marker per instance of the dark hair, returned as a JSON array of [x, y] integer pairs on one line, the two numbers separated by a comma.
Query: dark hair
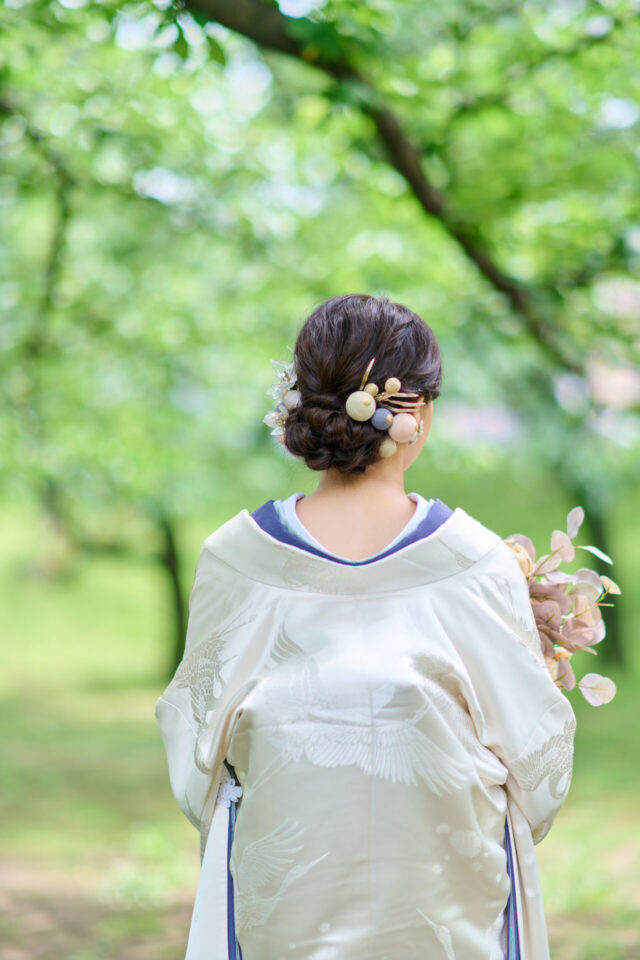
[[331, 354]]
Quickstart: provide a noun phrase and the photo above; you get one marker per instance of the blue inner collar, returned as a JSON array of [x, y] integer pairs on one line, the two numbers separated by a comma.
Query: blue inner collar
[[268, 519]]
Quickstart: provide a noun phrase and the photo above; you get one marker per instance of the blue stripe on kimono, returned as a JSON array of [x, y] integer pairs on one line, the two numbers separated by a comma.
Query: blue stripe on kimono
[[235, 953]]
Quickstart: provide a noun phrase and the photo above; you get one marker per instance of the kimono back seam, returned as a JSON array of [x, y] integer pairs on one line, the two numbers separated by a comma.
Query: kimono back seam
[[451, 669]]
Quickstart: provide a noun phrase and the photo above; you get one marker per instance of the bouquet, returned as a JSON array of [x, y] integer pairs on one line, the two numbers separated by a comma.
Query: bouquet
[[570, 619]]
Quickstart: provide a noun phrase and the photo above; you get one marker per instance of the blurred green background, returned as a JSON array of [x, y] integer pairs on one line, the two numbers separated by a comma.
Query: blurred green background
[[180, 186]]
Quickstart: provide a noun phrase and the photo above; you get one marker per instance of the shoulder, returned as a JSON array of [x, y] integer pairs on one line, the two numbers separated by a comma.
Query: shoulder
[[497, 567], [221, 586], [476, 527], [241, 550], [223, 534], [221, 547], [502, 590], [496, 575], [498, 554], [474, 539]]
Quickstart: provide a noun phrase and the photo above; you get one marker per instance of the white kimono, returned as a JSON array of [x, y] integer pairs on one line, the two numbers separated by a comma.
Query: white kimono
[[382, 721]]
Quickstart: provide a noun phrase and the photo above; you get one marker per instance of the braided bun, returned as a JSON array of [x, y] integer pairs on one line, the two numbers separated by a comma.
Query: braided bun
[[331, 353]]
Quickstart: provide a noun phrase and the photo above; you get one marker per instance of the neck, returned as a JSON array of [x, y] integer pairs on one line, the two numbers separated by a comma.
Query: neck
[[384, 479]]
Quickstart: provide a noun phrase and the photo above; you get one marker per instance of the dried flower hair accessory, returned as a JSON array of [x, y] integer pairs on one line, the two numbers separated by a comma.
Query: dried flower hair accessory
[[284, 395], [393, 416], [568, 620]]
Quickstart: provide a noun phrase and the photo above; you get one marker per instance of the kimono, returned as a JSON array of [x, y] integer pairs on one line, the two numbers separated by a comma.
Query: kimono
[[370, 751]]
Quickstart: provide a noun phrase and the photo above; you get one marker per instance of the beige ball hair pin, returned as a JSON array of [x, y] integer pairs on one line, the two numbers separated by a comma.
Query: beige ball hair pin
[[362, 405]]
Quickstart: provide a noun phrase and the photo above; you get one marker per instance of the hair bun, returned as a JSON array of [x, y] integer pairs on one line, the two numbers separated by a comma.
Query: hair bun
[[330, 353], [327, 438]]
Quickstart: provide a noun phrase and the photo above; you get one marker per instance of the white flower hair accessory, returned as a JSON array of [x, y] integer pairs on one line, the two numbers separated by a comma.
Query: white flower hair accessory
[[284, 395]]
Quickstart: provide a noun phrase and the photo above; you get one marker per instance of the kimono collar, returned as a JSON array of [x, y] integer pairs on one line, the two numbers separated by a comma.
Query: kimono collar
[[456, 544], [269, 519]]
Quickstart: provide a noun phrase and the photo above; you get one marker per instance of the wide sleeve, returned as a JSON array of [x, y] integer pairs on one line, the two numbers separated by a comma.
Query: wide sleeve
[[196, 711], [519, 712], [181, 708]]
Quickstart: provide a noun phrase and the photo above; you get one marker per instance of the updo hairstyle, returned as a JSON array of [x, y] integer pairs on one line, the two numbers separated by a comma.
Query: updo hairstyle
[[331, 354]]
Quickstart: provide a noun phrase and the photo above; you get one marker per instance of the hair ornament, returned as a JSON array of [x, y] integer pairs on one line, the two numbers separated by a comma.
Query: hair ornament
[[393, 414], [284, 395], [388, 410]]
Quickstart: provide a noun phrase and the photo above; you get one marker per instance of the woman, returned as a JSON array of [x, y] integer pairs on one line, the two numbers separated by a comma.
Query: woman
[[362, 727]]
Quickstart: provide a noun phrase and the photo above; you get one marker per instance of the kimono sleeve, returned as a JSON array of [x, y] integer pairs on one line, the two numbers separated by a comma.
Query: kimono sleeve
[[179, 709], [523, 716], [196, 710]]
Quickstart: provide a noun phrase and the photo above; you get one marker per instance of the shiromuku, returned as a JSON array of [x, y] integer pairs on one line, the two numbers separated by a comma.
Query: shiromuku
[[363, 727]]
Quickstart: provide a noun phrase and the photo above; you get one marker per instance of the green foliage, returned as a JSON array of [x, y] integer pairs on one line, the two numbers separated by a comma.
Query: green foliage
[[175, 204], [176, 201]]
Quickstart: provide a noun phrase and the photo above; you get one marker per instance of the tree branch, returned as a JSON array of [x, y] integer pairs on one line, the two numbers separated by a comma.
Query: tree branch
[[266, 25], [406, 159], [7, 108], [36, 340], [269, 28]]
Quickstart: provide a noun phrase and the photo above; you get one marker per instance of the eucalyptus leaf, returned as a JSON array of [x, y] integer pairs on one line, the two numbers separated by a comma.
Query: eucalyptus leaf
[[596, 689], [595, 551]]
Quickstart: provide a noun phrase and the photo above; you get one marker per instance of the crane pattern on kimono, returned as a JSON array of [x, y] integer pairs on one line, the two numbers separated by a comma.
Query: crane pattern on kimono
[[441, 933], [551, 760], [201, 668], [360, 735], [262, 864], [439, 678]]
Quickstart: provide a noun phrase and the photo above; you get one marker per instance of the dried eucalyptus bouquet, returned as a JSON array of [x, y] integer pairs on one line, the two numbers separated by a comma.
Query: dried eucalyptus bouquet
[[567, 606]]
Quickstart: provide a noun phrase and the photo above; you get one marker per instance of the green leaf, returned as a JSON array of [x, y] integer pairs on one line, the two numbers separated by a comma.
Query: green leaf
[[215, 50], [181, 46], [319, 41]]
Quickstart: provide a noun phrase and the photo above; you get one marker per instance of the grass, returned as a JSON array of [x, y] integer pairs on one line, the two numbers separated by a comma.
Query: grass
[[98, 863]]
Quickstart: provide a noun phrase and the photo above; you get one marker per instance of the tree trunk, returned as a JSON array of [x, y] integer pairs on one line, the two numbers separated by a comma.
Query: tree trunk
[[169, 559]]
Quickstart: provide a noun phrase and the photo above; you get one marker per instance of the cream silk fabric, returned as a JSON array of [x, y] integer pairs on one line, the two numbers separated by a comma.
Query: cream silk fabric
[[382, 721]]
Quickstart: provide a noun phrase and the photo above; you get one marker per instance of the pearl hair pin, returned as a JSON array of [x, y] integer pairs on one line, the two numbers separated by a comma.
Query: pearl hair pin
[[393, 416]]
